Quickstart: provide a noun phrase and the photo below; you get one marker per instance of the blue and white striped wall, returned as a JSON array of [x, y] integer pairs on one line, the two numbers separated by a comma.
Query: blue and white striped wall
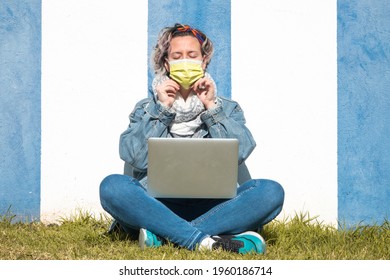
[[312, 77]]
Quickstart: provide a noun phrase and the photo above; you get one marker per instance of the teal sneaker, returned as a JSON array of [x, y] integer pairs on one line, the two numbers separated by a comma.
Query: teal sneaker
[[149, 239], [247, 242]]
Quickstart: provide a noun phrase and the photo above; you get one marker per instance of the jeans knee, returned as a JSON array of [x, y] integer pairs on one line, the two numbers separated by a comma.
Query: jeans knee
[[278, 192], [108, 186], [274, 191]]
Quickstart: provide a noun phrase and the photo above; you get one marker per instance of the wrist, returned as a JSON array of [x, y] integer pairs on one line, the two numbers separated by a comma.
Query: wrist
[[210, 105], [166, 104], [164, 107]]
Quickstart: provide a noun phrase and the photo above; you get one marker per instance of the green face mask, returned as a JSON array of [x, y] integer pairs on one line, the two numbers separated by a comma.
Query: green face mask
[[185, 71]]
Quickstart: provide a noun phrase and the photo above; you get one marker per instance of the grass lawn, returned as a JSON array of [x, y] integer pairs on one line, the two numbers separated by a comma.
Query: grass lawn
[[84, 237]]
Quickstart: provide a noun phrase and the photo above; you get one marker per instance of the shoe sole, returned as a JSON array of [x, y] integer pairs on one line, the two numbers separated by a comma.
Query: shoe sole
[[142, 238]]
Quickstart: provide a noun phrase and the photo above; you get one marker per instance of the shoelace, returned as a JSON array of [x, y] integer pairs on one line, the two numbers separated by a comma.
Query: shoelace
[[228, 244]]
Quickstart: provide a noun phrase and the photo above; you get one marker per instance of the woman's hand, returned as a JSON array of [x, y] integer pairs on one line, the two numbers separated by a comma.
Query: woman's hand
[[205, 90], [166, 92]]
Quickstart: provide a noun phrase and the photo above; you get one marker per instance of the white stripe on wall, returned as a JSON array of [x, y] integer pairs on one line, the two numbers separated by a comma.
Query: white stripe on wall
[[94, 69], [284, 74]]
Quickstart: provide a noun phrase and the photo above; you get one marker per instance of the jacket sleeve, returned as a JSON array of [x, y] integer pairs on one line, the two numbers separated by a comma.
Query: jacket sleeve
[[148, 119], [228, 121]]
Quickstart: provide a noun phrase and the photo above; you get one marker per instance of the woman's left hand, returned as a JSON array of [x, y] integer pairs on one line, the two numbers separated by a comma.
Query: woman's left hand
[[205, 90]]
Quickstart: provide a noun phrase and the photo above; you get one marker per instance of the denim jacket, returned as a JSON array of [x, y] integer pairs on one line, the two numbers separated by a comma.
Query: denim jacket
[[150, 118]]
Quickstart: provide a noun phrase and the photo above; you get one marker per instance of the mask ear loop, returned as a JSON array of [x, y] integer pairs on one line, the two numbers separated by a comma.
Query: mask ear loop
[[166, 65]]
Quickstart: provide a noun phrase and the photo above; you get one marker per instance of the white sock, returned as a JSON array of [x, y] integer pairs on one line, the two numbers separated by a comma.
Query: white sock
[[206, 243]]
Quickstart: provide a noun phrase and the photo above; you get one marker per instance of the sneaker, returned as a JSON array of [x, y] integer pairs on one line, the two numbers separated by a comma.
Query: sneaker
[[149, 239], [247, 242]]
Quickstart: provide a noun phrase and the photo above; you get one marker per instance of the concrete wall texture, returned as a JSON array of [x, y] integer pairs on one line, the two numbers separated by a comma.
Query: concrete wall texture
[[364, 110], [311, 76], [20, 107]]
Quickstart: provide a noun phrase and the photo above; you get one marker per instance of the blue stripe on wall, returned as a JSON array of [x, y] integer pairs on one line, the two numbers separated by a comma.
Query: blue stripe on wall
[[20, 108], [212, 17], [363, 111]]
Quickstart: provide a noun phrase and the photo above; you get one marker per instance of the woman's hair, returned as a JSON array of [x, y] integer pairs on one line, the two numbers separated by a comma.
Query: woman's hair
[[160, 52]]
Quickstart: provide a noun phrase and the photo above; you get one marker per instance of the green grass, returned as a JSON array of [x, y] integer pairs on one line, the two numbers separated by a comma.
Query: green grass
[[83, 237]]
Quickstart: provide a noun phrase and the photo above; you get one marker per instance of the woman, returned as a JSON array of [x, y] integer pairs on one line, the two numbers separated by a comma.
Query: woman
[[185, 104]]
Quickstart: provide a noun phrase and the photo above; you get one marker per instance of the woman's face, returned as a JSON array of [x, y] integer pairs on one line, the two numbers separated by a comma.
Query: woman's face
[[184, 47]]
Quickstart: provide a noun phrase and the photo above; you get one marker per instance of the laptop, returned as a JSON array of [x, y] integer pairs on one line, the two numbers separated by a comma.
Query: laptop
[[192, 167]]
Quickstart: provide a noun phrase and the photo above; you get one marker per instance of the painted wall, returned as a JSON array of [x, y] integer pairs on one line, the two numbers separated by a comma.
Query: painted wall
[[94, 69], [277, 58], [20, 107], [284, 75], [364, 111], [91, 87]]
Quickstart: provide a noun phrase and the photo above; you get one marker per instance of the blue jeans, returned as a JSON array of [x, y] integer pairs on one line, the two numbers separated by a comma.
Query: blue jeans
[[186, 222]]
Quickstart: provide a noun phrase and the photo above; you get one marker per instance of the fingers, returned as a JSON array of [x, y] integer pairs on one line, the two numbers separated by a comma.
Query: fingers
[[170, 86], [166, 92], [205, 90], [203, 84]]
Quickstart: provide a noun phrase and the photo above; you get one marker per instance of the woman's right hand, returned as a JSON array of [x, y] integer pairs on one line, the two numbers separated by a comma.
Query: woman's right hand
[[166, 92]]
